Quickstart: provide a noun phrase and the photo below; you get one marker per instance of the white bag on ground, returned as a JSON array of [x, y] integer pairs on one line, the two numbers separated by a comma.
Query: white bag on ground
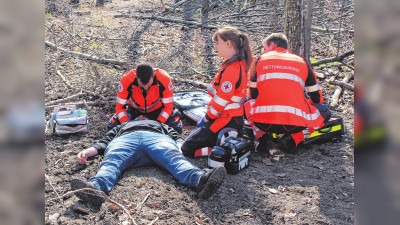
[[67, 120]]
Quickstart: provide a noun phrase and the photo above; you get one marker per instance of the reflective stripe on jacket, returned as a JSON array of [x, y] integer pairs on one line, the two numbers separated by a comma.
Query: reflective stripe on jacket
[[159, 95], [280, 80], [228, 91]]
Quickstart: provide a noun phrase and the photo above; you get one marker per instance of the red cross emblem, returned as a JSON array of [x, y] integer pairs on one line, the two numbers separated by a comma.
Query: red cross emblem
[[226, 86]]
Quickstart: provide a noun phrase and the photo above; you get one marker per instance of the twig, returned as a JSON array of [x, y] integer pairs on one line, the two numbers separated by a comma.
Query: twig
[[202, 74], [140, 204], [192, 82], [327, 30], [170, 20], [342, 84], [338, 92], [85, 56], [66, 99], [97, 191], [339, 58], [74, 88], [347, 65], [78, 104], [154, 221], [52, 185]]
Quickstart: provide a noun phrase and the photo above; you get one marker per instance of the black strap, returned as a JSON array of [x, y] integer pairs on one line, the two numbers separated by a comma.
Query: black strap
[[220, 76], [237, 85]]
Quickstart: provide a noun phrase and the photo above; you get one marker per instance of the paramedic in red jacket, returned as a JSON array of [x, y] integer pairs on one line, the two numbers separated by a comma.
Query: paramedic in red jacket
[[227, 89], [278, 103], [146, 91]]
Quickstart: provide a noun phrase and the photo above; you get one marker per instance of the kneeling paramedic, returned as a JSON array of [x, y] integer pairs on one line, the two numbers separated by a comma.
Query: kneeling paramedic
[[143, 143], [277, 102], [146, 91], [227, 89]]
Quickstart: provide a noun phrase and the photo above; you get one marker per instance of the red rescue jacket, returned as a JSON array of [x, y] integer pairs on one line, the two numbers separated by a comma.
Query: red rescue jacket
[[159, 95], [278, 90], [228, 91]]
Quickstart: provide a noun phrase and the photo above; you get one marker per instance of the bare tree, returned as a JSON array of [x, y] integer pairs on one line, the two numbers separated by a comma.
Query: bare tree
[[99, 3], [298, 26], [307, 30], [294, 26]]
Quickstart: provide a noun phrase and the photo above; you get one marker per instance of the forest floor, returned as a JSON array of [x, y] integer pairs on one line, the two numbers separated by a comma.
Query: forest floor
[[313, 186]]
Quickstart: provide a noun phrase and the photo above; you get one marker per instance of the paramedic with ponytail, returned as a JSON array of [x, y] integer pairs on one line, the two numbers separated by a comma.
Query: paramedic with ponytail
[[277, 101], [227, 89]]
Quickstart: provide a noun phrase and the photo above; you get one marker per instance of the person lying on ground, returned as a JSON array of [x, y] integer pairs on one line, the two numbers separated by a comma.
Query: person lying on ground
[[143, 143]]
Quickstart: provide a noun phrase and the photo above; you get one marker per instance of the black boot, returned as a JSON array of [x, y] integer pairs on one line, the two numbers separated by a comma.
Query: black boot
[[287, 144], [265, 143], [210, 182], [94, 198]]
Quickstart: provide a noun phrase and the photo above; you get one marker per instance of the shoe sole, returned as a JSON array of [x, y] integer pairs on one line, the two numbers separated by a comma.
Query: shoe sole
[[214, 182], [91, 197]]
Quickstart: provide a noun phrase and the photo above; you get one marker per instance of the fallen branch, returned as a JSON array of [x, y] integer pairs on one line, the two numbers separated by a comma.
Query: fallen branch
[[97, 191], [74, 88], [338, 92], [327, 30], [52, 185], [342, 84], [339, 58], [164, 19], [72, 97], [192, 82], [154, 221], [84, 56], [140, 204], [78, 104]]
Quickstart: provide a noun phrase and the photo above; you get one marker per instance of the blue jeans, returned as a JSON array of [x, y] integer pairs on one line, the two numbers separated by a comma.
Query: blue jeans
[[144, 148]]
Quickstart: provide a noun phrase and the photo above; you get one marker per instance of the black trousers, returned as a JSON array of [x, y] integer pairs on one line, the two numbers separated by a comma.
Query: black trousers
[[203, 137], [286, 142]]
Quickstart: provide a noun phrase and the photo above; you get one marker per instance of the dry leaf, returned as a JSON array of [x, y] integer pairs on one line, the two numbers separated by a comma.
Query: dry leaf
[[112, 207], [132, 212], [143, 182], [272, 190], [267, 161], [155, 205]]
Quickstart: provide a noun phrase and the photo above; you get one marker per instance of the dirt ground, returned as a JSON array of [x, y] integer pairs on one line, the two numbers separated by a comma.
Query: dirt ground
[[313, 186]]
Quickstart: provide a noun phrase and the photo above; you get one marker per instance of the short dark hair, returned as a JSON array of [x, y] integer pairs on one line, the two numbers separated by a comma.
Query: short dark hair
[[279, 39], [144, 72]]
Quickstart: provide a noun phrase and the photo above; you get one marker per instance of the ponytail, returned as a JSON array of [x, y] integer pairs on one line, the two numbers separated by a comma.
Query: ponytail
[[240, 41]]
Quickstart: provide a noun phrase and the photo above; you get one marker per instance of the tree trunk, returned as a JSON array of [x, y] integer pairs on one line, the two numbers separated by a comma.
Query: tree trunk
[[99, 3], [307, 30], [294, 26], [276, 16]]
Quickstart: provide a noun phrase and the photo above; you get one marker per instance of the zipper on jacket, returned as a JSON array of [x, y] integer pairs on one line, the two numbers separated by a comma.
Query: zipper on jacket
[[144, 93]]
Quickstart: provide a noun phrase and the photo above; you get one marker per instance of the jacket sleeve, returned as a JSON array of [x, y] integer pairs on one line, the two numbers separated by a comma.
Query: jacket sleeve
[[253, 91], [312, 87], [167, 98], [224, 93], [101, 145], [122, 96]]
